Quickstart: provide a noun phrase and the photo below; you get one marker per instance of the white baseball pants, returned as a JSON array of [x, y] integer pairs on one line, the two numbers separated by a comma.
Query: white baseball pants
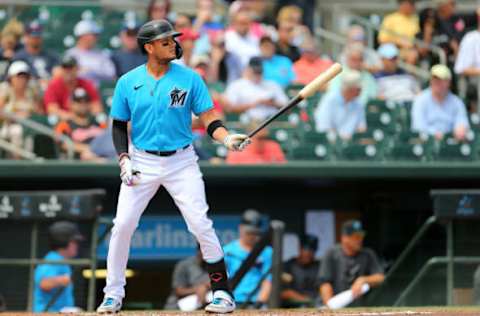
[[181, 177]]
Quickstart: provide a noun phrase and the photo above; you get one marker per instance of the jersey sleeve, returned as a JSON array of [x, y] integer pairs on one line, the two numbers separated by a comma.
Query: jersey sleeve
[[374, 265], [326, 271], [201, 100], [120, 109], [46, 271]]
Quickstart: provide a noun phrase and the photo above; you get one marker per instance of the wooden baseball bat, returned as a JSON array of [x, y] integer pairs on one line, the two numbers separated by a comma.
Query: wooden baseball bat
[[306, 92]]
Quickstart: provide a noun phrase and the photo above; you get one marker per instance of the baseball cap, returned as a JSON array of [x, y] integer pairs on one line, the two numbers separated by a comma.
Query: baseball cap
[[388, 51], [309, 242], [86, 27], [80, 94], [34, 28], [441, 72], [131, 25], [352, 227], [18, 67], [351, 78], [62, 232], [256, 63], [252, 221], [68, 61], [188, 34]]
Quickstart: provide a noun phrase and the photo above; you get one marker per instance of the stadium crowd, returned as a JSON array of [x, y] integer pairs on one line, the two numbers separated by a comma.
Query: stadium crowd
[[251, 57]]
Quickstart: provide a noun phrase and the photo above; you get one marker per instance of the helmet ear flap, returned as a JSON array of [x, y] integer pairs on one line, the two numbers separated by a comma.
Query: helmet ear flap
[[178, 49]]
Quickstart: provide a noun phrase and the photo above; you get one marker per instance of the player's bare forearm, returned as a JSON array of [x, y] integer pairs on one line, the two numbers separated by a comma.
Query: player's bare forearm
[[374, 279], [210, 116], [326, 292], [265, 290]]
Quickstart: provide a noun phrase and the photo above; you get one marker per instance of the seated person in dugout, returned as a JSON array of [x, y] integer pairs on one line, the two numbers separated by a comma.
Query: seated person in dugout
[[349, 265], [301, 275]]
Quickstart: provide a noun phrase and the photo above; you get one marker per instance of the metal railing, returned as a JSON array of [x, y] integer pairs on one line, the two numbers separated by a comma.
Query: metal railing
[[341, 40], [18, 151], [370, 27], [44, 130]]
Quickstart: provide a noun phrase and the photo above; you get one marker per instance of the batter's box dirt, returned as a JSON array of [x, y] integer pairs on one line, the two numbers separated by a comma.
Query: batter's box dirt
[[407, 311]]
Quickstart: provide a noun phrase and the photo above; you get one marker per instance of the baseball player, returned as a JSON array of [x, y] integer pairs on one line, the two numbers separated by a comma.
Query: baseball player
[[157, 98]]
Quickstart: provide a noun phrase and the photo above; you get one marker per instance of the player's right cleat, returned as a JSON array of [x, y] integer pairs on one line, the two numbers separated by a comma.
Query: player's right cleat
[[222, 303], [109, 306]]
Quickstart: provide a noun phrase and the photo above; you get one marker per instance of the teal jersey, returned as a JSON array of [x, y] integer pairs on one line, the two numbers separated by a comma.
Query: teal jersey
[[160, 111]]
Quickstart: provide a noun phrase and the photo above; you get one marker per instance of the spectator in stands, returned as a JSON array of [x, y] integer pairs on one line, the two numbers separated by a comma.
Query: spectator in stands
[[187, 40], [437, 111], [129, 56], [190, 277], [251, 94], [285, 45], [276, 68], [81, 127], [102, 145], [394, 83], [340, 111], [468, 59], [355, 62], [349, 265], [400, 27], [448, 30], [57, 97], [263, 149], [239, 40], [224, 66], [158, 9], [302, 271], [8, 44], [310, 64], [206, 21], [356, 37], [93, 63], [293, 14], [53, 287], [40, 60], [255, 287], [18, 97]]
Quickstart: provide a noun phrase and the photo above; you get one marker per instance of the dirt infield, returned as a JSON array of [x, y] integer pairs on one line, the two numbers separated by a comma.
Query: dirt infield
[[407, 311]]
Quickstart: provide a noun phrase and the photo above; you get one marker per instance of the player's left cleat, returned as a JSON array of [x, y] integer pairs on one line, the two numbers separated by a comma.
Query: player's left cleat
[[222, 303], [109, 306]]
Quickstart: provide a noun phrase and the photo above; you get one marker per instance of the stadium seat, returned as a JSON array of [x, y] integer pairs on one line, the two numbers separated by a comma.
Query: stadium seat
[[450, 149], [321, 151], [412, 146], [356, 151]]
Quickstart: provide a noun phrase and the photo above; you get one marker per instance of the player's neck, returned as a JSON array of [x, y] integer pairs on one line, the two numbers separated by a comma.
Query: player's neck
[[157, 69]]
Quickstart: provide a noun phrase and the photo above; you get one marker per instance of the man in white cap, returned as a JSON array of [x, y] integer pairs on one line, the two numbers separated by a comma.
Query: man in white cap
[[394, 83], [437, 111], [93, 63], [340, 111]]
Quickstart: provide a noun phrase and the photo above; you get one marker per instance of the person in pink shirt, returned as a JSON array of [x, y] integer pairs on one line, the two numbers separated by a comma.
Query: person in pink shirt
[[310, 64], [261, 150]]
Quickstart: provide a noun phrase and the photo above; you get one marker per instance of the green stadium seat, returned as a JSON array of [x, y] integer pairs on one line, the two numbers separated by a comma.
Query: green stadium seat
[[293, 89], [283, 136], [356, 151], [44, 146], [384, 120], [378, 105], [450, 149], [321, 151], [211, 147]]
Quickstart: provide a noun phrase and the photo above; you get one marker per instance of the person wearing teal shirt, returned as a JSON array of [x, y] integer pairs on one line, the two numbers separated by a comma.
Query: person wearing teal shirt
[[247, 291], [53, 287], [276, 68]]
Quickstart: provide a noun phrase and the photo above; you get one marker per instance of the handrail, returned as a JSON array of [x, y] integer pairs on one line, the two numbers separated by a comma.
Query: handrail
[[339, 39], [426, 267], [17, 150], [42, 129], [434, 48]]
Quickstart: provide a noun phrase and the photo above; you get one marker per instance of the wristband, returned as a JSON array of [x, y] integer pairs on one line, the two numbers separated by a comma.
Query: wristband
[[212, 127]]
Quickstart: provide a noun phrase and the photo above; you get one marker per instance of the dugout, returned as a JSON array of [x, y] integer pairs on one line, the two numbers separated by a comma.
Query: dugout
[[391, 198]]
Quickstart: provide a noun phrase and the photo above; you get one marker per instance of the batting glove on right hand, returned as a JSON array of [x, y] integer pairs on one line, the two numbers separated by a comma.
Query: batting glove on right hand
[[236, 142], [127, 174]]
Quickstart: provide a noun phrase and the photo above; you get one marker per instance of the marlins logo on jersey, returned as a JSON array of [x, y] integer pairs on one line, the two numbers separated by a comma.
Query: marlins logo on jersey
[[177, 97]]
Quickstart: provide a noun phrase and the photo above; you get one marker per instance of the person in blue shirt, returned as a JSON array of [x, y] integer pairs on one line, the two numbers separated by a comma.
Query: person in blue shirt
[[157, 100], [340, 111], [437, 111], [276, 68], [128, 56], [248, 292], [53, 287]]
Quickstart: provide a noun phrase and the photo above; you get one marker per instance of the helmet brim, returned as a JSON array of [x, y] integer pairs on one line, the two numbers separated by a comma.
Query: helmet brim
[[165, 35]]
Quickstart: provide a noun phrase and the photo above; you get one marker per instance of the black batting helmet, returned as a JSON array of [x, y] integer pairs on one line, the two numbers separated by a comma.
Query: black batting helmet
[[157, 29], [61, 233]]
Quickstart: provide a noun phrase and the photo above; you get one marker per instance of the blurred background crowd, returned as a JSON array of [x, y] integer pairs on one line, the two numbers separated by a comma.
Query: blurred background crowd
[[409, 93]]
